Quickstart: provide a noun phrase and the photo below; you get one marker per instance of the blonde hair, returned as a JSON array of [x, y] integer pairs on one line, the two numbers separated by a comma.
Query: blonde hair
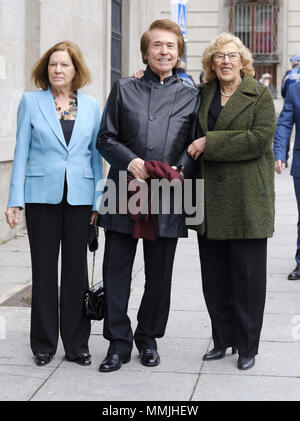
[[166, 25], [39, 75], [223, 39]]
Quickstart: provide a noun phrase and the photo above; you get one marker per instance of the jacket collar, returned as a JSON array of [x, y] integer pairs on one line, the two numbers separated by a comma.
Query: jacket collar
[[48, 110], [245, 95], [150, 75]]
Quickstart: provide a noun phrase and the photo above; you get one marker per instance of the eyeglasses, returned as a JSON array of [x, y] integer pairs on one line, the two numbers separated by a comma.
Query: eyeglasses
[[231, 56]]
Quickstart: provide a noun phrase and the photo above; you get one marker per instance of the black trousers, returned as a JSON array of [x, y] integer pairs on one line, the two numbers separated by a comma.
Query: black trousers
[[120, 250], [234, 287], [48, 226]]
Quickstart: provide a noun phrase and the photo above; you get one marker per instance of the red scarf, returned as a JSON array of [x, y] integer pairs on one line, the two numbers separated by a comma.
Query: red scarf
[[145, 224]]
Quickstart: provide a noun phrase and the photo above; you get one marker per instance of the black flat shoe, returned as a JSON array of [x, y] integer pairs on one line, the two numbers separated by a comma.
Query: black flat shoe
[[83, 359], [112, 363], [149, 357], [245, 363], [217, 354], [42, 358], [295, 275]]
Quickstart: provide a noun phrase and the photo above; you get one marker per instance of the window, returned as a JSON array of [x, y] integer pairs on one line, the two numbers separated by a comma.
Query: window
[[116, 40], [255, 23]]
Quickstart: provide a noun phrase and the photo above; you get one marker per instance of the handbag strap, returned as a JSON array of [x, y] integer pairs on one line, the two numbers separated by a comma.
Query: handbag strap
[[94, 254]]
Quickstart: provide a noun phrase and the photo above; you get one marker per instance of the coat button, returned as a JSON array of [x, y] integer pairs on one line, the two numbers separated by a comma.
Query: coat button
[[221, 177], [65, 158], [151, 117]]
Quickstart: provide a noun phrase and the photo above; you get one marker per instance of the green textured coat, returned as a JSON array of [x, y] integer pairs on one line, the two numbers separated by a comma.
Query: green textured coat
[[237, 164]]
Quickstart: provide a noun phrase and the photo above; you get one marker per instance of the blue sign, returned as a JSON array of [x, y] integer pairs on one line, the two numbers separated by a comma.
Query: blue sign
[[181, 18]]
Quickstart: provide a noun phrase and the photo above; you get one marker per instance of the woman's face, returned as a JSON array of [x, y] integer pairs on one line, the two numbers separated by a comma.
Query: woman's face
[[227, 66], [162, 52], [61, 70]]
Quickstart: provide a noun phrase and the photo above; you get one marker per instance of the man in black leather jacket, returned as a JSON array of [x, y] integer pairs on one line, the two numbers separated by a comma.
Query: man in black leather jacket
[[152, 118]]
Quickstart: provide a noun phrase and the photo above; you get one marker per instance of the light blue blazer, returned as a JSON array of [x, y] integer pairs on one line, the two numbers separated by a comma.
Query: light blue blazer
[[43, 159]]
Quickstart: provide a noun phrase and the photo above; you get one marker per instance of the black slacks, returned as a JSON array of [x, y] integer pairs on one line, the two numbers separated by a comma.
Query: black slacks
[[120, 250], [48, 226], [234, 287]]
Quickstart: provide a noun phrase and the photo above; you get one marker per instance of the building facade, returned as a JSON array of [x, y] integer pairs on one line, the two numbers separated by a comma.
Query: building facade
[[270, 28], [108, 32]]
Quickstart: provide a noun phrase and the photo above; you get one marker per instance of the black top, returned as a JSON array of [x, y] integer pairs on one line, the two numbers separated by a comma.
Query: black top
[[67, 128], [214, 111]]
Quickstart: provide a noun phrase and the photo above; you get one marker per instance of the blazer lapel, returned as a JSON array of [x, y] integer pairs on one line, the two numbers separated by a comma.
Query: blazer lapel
[[240, 100], [207, 94], [48, 110], [81, 119]]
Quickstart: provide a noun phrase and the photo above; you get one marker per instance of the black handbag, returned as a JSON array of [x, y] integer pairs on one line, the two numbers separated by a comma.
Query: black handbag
[[94, 296]]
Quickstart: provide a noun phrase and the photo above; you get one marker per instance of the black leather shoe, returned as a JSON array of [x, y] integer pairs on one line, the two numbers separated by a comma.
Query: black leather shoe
[[245, 363], [83, 359], [42, 359], [217, 354], [149, 357], [112, 363], [295, 275]]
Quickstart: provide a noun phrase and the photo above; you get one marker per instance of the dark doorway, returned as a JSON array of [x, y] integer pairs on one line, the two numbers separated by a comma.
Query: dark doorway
[[116, 40]]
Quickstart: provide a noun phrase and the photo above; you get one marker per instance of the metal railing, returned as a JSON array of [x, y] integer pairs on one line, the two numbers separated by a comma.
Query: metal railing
[[256, 23]]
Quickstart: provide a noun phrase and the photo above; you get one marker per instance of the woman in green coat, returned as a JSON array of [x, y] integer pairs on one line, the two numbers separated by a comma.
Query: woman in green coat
[[236, 127]]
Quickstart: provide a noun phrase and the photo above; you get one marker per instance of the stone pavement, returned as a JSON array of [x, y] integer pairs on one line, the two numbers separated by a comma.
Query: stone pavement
[[182, 375]]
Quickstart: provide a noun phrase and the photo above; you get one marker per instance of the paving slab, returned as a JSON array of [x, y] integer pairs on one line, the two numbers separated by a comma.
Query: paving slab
[[281, 251], [283, 229], [15, 346], [122, 385], [17, 243], [188, 324], [282, 303], [281, 328], [284, 239], [286, 220], [246, 388], [178, 299], [14, 258], [20, 383], [280, 283], [281, 265]]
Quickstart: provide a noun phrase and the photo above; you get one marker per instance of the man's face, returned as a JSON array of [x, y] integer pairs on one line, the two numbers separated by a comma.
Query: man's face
[[162, 52]]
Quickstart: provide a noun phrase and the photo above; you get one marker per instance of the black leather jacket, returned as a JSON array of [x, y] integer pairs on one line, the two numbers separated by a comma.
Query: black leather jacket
[[152, 121]]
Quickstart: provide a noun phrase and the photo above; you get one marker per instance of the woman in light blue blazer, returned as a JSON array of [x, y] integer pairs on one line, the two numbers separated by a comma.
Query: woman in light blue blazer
[[55, 174]]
